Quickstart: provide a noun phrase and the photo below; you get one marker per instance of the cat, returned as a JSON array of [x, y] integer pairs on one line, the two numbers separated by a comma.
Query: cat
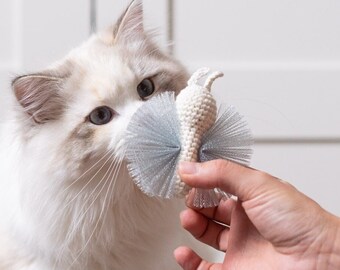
[[66, 198]]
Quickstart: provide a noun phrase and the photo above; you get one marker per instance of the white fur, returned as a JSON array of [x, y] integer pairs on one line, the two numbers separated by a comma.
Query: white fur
[[66, 199]]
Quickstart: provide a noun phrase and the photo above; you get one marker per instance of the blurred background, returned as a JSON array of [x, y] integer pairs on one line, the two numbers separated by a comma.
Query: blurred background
[[281, 61]]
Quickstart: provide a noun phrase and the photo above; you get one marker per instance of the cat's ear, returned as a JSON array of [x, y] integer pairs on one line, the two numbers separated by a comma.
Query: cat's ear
[[129, 26], [39, 96]]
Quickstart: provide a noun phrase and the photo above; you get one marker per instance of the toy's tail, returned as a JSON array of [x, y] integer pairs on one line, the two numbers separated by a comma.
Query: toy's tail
[[202, 72]]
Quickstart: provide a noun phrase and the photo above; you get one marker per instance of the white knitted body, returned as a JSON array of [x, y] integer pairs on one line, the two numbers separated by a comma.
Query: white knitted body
[[196, 109]]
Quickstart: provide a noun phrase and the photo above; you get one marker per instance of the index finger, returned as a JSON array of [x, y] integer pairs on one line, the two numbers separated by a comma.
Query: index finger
[[245, 183]]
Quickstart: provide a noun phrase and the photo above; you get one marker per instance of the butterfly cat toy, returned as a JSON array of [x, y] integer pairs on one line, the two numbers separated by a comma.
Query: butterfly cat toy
[[167, 130]]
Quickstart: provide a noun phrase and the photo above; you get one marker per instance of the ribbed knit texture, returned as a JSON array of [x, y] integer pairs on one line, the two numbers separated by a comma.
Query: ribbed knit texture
[[196, 110]]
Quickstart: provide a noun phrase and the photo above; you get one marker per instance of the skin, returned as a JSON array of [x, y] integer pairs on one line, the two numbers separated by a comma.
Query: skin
[[271, 226]]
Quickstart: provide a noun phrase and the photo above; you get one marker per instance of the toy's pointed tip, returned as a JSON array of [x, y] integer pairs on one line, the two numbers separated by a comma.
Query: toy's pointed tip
[[211, 78]]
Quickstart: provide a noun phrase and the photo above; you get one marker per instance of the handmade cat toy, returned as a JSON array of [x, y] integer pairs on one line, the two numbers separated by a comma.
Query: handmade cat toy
[[167, 130]]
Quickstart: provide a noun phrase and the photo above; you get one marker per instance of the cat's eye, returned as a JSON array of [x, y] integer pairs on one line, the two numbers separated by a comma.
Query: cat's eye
[[145, 88], [101, 115]]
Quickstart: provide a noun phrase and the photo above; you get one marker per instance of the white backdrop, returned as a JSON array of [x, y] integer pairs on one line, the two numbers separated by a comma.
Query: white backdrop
[[281, 61]]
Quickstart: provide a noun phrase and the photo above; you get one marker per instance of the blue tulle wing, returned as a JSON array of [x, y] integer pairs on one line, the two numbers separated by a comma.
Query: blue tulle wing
[[230, 138], [153, 146]]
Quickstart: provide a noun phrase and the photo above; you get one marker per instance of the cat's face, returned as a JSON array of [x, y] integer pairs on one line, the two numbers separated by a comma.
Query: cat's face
[[79, 108]]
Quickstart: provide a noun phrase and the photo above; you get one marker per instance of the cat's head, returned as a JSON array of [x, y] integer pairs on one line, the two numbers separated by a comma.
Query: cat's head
[[78, 108]]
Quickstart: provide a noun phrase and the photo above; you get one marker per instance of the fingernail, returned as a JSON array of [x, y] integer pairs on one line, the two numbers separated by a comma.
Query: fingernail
[[187, 167]]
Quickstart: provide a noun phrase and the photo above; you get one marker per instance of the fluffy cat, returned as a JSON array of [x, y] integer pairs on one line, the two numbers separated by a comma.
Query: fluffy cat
[[66, 199]]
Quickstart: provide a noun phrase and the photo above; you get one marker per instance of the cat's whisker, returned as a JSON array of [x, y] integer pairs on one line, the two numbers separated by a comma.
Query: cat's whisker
[[88, 182], [114, 177], [59, 256], [75, 227], [111, 173], [81, 217], [88, 170], [69, 238]]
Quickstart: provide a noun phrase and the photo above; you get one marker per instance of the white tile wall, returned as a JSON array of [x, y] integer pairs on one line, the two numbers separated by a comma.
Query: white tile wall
[[284, 102], [50, 29], [262, 30], [7, 33], [282, 67]]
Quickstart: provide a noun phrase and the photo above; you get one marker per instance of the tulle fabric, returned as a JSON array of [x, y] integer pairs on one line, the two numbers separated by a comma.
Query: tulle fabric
[[153, 146]]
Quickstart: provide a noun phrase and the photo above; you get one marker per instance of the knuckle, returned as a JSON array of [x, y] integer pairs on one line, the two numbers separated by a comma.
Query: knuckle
[[221, 166], [287, 185]]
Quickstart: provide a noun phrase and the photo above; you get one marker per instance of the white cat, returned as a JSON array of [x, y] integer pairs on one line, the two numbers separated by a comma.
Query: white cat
[[66, 199]]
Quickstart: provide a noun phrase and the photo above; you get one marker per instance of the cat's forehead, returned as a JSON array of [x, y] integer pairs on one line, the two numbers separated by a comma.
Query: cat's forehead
[[101, 67], [110, 60]]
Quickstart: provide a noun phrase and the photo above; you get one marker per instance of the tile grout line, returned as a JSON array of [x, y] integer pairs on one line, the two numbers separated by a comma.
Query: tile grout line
[[93, 16], [170, 26]]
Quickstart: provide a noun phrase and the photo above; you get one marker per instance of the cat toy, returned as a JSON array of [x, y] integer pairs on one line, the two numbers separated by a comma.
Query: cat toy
[[166, 130]]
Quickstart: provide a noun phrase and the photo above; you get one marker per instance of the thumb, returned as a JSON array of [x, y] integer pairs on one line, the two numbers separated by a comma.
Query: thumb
[[245, 183]]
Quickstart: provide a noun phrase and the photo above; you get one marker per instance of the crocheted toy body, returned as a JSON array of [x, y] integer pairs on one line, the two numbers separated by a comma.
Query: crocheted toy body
[[165, 131], [196, 110]]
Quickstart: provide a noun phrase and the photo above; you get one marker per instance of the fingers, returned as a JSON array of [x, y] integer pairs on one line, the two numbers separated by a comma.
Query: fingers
[[204, 229], [233, 178], [189, 260]]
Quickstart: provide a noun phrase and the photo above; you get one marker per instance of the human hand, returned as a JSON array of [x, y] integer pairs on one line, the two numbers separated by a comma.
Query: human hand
[[271, 226]]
